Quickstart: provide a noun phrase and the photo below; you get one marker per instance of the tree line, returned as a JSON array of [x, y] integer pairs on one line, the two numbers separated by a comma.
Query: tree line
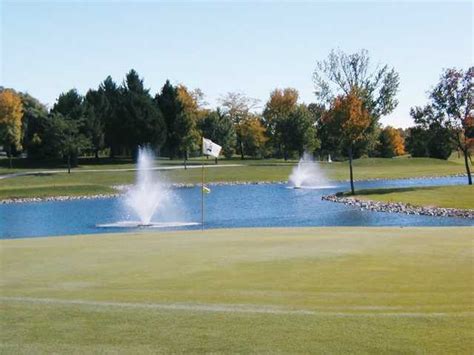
[[351, 96]]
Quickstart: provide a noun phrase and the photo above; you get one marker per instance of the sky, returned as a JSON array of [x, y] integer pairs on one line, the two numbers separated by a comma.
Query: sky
[[48, 47]]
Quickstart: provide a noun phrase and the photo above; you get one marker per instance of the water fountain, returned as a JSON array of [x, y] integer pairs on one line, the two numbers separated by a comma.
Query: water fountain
[[308, 175], [148, 194], [149, 197]]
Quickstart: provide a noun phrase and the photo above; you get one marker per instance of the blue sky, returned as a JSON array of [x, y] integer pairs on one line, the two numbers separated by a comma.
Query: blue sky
[[252, 47]]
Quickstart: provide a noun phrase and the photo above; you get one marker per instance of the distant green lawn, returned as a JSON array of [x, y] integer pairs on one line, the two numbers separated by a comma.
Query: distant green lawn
[[308, 290], [434, 196], [252, 170]]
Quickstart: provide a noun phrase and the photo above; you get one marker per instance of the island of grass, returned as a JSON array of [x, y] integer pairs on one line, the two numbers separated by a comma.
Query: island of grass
[[99, 178], [304, 290], [458, 197]]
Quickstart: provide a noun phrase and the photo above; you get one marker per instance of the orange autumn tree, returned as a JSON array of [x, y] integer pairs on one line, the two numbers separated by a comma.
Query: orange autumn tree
[[391, 142], [11, 115], [348, 119]]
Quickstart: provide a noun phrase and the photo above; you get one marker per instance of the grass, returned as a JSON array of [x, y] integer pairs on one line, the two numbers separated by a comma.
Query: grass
[[252, 170], [364, 290], [461, 197]]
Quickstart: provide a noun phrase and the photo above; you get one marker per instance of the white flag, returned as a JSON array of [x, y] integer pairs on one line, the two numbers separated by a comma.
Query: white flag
[[210, 148]]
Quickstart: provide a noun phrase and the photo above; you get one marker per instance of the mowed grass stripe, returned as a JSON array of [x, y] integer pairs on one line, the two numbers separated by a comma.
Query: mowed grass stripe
[[234, 308]]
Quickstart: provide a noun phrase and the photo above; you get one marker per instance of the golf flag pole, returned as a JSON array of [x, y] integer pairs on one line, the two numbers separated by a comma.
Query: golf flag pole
[[202, 187], [212, 149]]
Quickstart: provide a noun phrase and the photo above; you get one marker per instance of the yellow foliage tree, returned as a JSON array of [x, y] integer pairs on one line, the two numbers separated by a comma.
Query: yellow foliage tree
[[253, 136], [186, 124], [11, 114]]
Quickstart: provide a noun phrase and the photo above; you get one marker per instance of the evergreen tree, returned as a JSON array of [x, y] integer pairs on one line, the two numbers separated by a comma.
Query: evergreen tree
[[95, 106], [109, 115], [171, 108], [141, 122]]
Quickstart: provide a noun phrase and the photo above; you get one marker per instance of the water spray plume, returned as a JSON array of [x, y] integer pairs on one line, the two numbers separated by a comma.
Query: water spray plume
[[148, 194], [307, 174]]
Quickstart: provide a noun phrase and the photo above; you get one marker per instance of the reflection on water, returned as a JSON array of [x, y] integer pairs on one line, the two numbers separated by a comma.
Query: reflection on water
[[272, 205]]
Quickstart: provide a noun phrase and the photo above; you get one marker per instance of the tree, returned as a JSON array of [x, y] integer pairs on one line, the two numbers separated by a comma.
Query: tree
[[70, 107], [328, 144], [453, 101], [218, 127], [11, 114], [252, 136], [55, 136], [348, 119], [391, 142], [298, 132], [451, 111], [342, 74], [34, 114], [69, 104], [170, 106], [238, 107], [277, 109], [95, 106], [141, 121], [185, 125], [416, 142], [429, 138], [109, 114], [65, 137]]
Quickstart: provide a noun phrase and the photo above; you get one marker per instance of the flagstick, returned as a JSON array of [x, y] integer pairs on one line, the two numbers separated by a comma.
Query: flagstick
[[202, 187]]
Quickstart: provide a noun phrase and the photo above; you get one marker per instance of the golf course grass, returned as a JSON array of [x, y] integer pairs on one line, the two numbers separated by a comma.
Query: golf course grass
[[94, 179], [461, 196], [307, 290]]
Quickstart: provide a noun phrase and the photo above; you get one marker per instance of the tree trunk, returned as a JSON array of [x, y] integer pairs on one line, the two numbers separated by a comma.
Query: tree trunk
[[468, 169], [185, 160], [69, 163], [10, 160], [241, 150], [97, 154], [216, 161], [350, 171]]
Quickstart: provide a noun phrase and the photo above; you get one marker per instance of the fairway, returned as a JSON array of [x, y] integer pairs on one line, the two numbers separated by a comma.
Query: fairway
[[325, 290], [87, 181], [461, 197]]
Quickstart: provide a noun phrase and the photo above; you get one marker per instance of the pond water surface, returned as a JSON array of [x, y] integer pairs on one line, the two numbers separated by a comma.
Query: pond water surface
[[265, 205]]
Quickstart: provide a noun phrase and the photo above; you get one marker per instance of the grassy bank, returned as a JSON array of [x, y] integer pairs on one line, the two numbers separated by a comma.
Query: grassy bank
[[102, 177], [461, 197], [330, 290]]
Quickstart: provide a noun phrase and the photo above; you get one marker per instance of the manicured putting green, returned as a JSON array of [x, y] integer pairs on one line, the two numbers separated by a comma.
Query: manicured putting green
[[327, 290]]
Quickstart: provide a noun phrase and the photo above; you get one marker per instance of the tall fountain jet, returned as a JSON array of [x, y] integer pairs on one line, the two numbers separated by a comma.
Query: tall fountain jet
[[150, 202], [148, 194], [307, 174]]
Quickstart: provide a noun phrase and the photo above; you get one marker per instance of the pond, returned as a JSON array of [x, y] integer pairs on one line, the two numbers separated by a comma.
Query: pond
[[227, 206]]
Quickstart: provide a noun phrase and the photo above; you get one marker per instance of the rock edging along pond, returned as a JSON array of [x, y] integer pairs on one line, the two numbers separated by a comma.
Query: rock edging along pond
[[398, 207], [122, 189]]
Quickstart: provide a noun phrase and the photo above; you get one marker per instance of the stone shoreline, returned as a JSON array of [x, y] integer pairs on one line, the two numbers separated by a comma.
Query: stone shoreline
[[122, 189], [398, 207]]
